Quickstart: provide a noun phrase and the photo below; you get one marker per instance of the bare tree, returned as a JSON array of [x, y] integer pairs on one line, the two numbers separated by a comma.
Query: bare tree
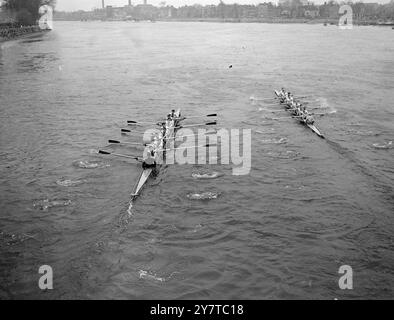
[[26, 11]]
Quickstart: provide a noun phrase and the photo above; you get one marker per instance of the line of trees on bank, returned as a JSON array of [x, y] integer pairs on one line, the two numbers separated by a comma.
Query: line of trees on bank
[[22, 12]]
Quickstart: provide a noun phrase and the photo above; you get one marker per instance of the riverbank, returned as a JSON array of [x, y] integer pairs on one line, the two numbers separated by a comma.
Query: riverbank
[[282, 21], [247, 20], [11, 33]]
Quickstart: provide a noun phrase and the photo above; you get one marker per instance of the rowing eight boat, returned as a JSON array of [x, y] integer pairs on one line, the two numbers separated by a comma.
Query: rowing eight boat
[[311, 126], [159, 153]]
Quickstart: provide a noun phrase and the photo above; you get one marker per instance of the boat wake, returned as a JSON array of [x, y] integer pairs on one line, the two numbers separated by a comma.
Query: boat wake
[[349, 155], [203, 196]]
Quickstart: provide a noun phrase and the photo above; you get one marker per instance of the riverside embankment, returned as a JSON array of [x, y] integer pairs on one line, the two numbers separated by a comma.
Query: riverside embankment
[[13, 32]]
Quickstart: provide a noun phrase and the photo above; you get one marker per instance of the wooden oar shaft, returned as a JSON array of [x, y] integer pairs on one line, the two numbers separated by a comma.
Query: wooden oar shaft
[[118, 155], [197, 125], [182, 148], [127, 143], [208, 115], [287, 117]]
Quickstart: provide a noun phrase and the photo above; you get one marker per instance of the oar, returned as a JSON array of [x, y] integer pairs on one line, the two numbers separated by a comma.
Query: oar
[[125, 130], [193, 135], [265, 99], [271, 105], [208, 115], [319, 114], [128, 143], [214, 123], [202, 146], [274, 111], [286, 117], [141, 122], [119, 155]]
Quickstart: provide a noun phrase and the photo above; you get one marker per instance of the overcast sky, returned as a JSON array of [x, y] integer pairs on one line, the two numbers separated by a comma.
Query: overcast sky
[[73, 5]]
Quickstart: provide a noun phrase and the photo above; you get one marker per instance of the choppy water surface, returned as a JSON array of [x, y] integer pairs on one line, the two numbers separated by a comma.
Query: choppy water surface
[[308, 206]]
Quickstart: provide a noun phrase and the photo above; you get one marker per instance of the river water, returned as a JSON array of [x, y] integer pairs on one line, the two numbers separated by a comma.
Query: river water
[[307, 207]]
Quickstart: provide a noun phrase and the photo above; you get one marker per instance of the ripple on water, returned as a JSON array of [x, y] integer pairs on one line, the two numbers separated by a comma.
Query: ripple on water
[[13, 239]]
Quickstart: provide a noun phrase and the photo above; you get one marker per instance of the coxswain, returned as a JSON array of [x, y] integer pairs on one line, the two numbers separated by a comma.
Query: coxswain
[[309, 119], [149, 160]]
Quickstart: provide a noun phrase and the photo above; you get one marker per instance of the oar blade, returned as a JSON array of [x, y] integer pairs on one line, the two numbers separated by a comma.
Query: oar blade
[[104, 152], [125, 130], [214, 123], [114, 141]]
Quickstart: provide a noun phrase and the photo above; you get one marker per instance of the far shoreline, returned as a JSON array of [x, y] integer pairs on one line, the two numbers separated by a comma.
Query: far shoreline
[[328, 22]]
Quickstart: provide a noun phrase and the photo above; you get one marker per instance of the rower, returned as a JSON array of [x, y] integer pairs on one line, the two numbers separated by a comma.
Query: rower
[[162, 130], [169, 122], [173, 115]]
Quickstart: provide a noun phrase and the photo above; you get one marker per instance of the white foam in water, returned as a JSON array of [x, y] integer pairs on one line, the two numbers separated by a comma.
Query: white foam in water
[[212, 175], [275, 141], [145, 275], [69, 183], [47, 204], [387, 145], [86, 164], [203, 196]]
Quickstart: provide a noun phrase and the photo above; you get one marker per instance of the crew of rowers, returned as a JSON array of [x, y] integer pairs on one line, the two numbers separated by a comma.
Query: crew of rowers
[[297, 108], [166, 130]]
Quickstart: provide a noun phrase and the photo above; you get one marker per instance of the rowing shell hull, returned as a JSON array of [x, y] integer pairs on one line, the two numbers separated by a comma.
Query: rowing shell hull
[[311, 126], [315, 130], [145, 174]]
